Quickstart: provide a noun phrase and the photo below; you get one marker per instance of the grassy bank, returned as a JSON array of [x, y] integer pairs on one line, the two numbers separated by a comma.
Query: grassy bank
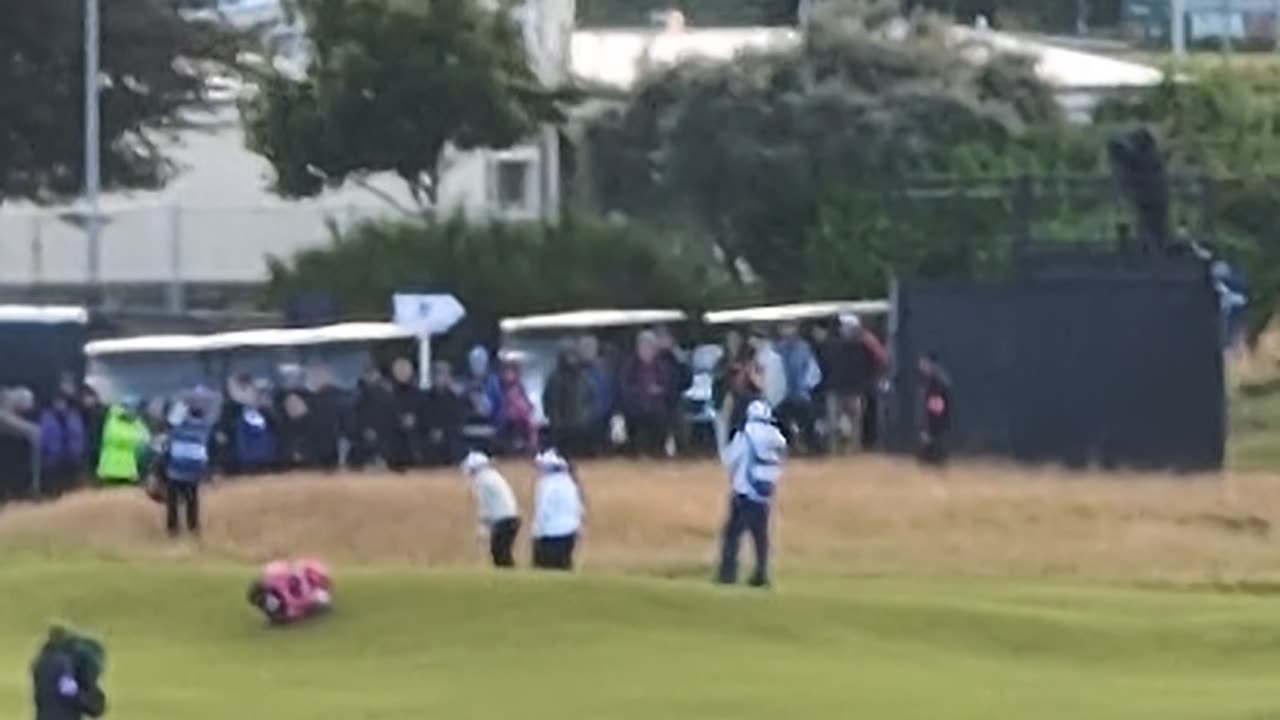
[[854, 517], [409, 645]]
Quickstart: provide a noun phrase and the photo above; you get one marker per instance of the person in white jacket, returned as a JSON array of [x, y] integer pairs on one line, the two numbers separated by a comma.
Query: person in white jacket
[[496, 508], [770, 372], [557, 513], [754, 459]]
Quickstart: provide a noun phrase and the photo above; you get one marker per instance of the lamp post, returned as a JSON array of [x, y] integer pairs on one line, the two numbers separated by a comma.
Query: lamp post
[[1178, 29], [92, 143]]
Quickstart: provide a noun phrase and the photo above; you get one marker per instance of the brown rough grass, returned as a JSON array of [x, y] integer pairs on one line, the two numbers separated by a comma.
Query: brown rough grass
[[857, 516]]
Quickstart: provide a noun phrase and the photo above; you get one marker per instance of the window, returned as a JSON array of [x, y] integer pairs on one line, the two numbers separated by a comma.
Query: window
[[512, 185]]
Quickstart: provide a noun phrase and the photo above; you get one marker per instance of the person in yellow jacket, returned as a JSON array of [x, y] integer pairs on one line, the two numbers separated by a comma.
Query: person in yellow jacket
[[124, 438]]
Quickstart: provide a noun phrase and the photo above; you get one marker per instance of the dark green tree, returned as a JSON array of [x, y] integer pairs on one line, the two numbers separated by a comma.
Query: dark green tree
[[749, 152], [153, 60], [389, 87], [496, 270]]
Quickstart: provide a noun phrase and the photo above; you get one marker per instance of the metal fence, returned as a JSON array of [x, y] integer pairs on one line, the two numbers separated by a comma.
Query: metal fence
[[1010, 216], [166, 245]]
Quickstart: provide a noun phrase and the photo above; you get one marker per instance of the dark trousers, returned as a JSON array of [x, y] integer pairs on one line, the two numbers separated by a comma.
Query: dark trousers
[[648, 434], [554, 553], [798, 419], [745, 516], [185, 494], [871, 420], [364, 453], [574, 442], [501, 537], [59, 480], [933, 450]]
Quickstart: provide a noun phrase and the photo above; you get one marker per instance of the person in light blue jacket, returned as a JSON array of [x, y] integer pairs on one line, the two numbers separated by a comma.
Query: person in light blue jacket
[[797, 415], [186, 466], [754, 459]]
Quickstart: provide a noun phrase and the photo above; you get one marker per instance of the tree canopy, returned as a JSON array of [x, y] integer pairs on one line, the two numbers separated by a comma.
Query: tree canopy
[[152, 63], [746, 152], [389, 87]]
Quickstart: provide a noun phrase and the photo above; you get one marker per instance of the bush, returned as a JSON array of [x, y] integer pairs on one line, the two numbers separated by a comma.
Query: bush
[[496, 270]]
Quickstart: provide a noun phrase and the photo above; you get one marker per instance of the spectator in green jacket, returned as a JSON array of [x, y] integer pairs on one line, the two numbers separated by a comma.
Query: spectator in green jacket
[[124, 439]]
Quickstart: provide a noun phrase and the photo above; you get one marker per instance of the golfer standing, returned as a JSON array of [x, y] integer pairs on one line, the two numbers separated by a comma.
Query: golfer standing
[[496, 508], [754, 459], [557, 513]]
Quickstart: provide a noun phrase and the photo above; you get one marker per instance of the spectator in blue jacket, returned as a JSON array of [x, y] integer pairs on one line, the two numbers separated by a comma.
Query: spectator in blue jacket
[[482, 395], [797, 414], [186, 466], [255, 446]]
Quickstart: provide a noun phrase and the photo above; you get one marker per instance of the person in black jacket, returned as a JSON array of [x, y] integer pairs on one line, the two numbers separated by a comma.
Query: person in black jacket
[[443, 411], [404, 437], [65, 677], [323, 428], [373, 417], [935, 411]]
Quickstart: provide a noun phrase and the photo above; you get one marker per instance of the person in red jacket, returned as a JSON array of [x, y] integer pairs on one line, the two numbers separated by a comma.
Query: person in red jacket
[[936, 415], [878, 358]]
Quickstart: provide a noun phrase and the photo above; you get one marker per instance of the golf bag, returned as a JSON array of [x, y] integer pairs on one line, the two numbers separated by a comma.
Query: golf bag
[[288, 591]]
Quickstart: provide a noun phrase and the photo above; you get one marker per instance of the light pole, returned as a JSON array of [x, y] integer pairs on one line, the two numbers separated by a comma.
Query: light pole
[[92, 143], [1178, 29], [1275, 25]]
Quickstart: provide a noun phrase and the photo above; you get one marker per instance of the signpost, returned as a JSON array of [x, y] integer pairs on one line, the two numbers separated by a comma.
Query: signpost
[[424, 316]]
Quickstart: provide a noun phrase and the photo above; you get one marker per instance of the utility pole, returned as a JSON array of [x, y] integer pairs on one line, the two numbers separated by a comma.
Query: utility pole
[[1226, 27], [1082, 17], [1275, 25], [1178, 29], [92, 145]]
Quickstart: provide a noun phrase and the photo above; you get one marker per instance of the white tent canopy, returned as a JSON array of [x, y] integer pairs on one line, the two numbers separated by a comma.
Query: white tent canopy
[[587, 319], [285, 337], [44, 314], [797, 312]]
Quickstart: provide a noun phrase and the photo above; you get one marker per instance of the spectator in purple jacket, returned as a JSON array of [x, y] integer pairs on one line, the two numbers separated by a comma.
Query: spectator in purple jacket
[[646, 391], [62, 446]]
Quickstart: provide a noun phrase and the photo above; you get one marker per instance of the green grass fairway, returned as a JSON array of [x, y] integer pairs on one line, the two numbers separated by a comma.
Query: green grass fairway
[[416, 646]]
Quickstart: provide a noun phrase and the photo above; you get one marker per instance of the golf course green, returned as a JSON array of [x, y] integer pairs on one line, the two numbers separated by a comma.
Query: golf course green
[[414, 644]]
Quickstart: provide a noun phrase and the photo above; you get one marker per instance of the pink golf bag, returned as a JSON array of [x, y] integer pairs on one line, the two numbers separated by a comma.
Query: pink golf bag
[[288, 591]]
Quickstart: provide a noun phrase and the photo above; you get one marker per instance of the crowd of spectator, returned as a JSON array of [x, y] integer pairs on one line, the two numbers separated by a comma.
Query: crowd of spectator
[[654, 399]]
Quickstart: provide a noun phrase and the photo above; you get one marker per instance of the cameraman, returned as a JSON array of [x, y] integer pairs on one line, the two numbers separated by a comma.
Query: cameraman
[[64, 677]]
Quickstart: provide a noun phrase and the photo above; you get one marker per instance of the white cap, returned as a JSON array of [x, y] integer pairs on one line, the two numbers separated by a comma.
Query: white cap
[[759, 411], [550, 461], [474, 461], [849, 321]]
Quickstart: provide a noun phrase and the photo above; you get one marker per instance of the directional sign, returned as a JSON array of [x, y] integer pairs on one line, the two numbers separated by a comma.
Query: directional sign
[[427, 314]]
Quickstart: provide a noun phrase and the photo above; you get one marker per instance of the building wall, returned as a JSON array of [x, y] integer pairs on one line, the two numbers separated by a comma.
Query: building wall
[[1248, 22]]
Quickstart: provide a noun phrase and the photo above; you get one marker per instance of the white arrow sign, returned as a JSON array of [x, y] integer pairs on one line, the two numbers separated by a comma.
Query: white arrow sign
[[427, 314]]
